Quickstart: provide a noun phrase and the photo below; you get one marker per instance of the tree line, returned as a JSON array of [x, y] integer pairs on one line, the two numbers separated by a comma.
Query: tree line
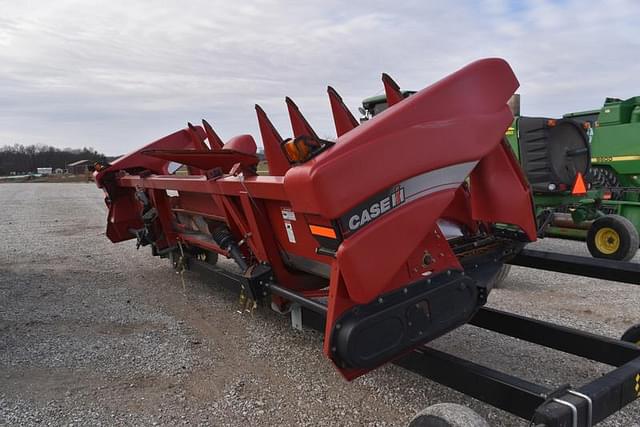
[[27, 158]]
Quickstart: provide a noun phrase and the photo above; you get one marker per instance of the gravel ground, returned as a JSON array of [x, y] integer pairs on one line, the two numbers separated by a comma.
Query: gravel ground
[[93, 333]]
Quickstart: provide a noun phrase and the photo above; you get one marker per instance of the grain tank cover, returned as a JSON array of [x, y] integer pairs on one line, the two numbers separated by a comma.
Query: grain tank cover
[[552, 152]]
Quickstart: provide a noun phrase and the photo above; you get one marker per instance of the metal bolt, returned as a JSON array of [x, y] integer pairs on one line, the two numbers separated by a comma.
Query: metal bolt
[[405, 291], [333, 349], [338, 326], [380, 300], [448, 272]]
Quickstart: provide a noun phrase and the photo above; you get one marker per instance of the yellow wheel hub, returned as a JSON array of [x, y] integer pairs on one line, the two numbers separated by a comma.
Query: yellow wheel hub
[[607, 240]]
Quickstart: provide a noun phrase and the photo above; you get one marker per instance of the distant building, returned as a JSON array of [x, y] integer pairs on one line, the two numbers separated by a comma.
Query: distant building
[[58, 171], [44, 171], [80, 167]]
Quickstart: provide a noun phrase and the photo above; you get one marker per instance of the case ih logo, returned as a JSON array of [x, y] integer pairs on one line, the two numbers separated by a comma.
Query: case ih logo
[[372, 210], [416, 187]]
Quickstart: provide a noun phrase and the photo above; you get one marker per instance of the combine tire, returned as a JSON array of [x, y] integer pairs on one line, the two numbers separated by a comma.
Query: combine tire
[[632, 335], [613, 237], [448, 415], [605, 178]]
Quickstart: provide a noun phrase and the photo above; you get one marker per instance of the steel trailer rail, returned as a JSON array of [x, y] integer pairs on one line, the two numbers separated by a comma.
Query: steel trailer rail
[[583, 406], [617, 271]]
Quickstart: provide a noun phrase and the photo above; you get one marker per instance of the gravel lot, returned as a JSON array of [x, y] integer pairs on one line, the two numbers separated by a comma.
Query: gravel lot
[[93, 333]]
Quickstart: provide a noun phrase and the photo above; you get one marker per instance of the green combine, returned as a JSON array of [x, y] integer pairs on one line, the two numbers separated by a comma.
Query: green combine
[[615, 145], [584, 170]]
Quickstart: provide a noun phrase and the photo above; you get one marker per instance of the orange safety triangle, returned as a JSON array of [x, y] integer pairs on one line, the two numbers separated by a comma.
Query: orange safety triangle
[[579, 187]]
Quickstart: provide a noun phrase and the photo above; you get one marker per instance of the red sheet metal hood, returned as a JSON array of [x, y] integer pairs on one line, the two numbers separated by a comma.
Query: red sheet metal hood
[[458, 119]]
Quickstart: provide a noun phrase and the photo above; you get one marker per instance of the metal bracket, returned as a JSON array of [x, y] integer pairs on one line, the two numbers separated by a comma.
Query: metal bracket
[[296, 317], [574, 410], [589, 405]]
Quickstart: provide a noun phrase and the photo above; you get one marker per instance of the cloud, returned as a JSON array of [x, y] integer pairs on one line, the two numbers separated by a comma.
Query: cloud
[[116, 74]]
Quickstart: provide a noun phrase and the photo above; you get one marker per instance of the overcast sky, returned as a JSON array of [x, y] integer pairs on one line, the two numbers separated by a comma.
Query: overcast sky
[[116, 74]]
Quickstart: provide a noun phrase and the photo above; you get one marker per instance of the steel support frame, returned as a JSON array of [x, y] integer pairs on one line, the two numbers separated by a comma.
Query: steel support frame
[[259, 187], [617, 271], [593, 402]]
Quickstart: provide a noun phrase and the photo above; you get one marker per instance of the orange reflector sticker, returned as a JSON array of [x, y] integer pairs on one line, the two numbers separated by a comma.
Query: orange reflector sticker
[[579, 187], [319, 230]]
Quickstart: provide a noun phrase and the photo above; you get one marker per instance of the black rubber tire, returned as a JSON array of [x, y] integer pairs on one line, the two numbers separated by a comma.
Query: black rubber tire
[[498, 281], [627, 234], [448, 415], [603, 177], [632, 335]]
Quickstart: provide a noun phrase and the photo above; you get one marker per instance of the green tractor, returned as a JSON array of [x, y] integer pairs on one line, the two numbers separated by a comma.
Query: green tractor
[[556, 156]]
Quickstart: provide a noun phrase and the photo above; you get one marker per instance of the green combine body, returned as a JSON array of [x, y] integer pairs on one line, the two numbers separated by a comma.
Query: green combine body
[[615, 145], [613, 177]]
